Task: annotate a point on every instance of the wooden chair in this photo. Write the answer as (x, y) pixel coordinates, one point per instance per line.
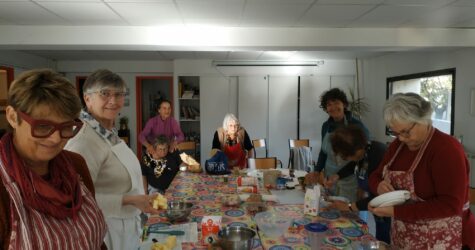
(188, 146)
(262, 163)
(259, 143)
(295, 143)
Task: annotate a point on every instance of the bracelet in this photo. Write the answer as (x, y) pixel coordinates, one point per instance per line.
(349, 206)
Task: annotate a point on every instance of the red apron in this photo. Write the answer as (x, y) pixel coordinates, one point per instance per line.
(236, 156)
(444, 233)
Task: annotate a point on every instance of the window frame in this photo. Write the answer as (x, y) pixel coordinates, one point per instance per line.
(449, 71)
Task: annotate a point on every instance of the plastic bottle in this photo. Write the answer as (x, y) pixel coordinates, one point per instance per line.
(316, 233)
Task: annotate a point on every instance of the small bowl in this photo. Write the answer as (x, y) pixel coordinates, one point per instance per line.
(370, 245)
(236, 238)
(231, 200)
(178, 210)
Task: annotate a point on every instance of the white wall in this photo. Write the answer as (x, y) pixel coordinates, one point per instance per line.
(376, 70)
(128, 70)
(21, 61)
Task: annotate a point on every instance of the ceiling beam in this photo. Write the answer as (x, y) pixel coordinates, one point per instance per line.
(228, 39)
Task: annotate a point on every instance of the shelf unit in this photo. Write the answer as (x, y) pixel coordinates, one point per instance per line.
(189, 109)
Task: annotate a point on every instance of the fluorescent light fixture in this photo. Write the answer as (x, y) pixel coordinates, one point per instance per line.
(230, 63)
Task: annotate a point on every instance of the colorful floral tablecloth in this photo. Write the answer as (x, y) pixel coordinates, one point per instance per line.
(206, 192)
(344, 228)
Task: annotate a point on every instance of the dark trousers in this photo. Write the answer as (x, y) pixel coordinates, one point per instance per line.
(383, 228)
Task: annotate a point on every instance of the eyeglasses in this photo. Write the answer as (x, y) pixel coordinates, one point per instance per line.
(162, 149)
(44, 128)
(108, 94)
(405, 133)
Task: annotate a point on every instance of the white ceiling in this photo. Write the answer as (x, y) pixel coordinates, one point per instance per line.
(244, 14)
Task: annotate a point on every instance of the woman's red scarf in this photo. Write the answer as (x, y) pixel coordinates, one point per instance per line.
(59, 195)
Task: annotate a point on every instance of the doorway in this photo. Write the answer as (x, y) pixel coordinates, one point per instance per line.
(6, 78)
(80, 80)
(150, 91)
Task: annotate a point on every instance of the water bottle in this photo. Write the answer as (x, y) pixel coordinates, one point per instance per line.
(316, 233)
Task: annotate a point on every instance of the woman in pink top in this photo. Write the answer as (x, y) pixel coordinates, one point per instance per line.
(162, 124)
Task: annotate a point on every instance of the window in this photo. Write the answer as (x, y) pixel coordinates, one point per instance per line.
(436, 86)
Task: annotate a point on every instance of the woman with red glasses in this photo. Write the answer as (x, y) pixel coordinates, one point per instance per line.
(433, 167)
(114, 167)
(46, 193)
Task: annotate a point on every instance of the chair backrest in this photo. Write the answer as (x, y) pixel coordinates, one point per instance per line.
(262, 163)
(259, 143)
(188, 146)
(295, 143)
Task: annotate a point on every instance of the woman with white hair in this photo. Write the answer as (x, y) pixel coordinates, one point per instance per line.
(234, 141)
(432, 166)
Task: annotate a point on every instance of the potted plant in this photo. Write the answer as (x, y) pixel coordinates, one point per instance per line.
(357, 105)
(124, 123)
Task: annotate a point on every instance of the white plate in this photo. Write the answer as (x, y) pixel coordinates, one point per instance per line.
(148, 245)
(297, 173)
(284, 172)
(255, 173)
(338, 198)
(390, 199)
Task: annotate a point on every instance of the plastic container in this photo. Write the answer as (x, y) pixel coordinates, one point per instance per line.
(246, 181)
(316, 232)
(272, 224)
(247, 189)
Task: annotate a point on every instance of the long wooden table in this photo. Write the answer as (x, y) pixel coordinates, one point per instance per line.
(206, 191)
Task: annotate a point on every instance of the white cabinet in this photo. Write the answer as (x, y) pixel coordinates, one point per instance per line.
(216, 96)
(283, 93)
(268, 109)
(253, 111)
(311, 115)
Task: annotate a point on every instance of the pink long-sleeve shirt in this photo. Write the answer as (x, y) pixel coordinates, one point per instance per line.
(156, 126)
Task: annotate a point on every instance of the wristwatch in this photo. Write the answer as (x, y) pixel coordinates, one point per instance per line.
(349, 206)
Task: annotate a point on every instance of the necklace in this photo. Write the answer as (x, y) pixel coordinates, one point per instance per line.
(157, 165)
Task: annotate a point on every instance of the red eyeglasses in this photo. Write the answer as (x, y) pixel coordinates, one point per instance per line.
(43, 128)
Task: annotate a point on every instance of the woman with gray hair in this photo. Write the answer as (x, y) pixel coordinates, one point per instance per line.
(234, 141)
(432, 166)
(115, 169)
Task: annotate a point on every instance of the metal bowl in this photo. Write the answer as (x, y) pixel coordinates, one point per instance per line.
(236, 238)
(178, 210)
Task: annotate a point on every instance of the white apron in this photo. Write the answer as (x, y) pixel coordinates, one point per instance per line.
(124, 233)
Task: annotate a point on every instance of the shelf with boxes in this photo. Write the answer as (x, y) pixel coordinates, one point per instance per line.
(189, 107)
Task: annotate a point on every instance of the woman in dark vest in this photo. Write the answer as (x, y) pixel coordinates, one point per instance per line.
(234, 141)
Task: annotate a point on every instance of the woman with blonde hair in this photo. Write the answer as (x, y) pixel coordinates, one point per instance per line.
(234, 141)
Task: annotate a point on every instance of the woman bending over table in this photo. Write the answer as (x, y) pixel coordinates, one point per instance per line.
(160, 167)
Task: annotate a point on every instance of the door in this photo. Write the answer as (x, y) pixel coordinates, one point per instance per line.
(6, 78)
(150, 91)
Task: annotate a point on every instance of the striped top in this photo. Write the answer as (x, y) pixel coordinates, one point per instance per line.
(32, 229)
